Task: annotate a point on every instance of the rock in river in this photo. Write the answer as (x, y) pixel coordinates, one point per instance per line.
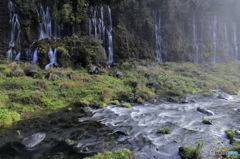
(33, 140)
(205, 111)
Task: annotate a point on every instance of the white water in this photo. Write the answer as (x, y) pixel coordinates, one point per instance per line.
(17, 58)
(158, 36)
(47, 27)
(9, 54)
(185, 122)
(235, 41)
(35, 56)
(15, 31)
(52, 55)
(100, 25)
(195, 38)
(214, 37)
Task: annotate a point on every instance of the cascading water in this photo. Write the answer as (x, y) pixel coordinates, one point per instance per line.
(100, 25)
(15, 43)
(214, 38)
(47, 27)
(17, 58)
(35, 56)
(52, 55)
(226, 40)
(158, 37)
(29, 52)
(235, 42)
(195, 38)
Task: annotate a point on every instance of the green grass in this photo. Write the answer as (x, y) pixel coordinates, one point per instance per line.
(27, 94)
(117, 154)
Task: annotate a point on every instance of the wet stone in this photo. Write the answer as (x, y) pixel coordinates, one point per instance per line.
(33, 140)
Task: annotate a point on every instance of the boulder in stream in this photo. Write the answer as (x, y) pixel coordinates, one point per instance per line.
(33, 140)
(205, 111)
(225, 96)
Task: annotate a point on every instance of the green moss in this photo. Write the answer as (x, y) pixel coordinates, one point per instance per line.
(115, 102)
(207, 94)
(163, 130)
(7, 117)
(190, 152)
(128, 105)
(117, 154)
(230, 133)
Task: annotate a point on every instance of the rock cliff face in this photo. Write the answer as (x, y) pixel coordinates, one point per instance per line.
(4, 27)
(161, 30)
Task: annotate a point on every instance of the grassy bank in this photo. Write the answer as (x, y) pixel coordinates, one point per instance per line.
(140, 81)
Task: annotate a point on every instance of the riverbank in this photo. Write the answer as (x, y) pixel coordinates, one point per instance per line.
(137, 81)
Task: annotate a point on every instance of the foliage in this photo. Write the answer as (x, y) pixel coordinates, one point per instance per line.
(189, 152)
(117, 154)
(230, 133)
(115, 102)
(7, 117)
(163, 130)
(128, 105)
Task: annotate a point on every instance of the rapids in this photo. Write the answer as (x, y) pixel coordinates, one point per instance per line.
(185, 123)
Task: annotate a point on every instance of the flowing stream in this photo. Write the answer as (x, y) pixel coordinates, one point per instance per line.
(185, 123)
(134, 128)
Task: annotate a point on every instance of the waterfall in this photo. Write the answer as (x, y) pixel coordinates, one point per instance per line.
(214, 37)
(47, 27)
(9, 54)
(52, 55)
(158, 36)
(226, 40)
(35, 56)
(17, 58)
(195, 38)
(15, 31)
(100, 25)
(235, 42)
(29, 52)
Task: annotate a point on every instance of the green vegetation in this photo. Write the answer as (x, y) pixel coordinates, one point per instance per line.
(117, 154)
(54, 89)
(128, 105)
(163, 130)
(230, 133)
(115, 102)
(190, 152)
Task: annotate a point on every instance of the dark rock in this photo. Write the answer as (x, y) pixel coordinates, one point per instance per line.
(93, 69)
(205, 111)
(225, 96)
(33, 140)
(118, 74)
(187, 100)
(207, 122)
(173, 99)
(69, 76)
(154, 84)
(31, 70)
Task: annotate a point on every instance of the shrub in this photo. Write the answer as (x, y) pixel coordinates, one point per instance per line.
(41, 84)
